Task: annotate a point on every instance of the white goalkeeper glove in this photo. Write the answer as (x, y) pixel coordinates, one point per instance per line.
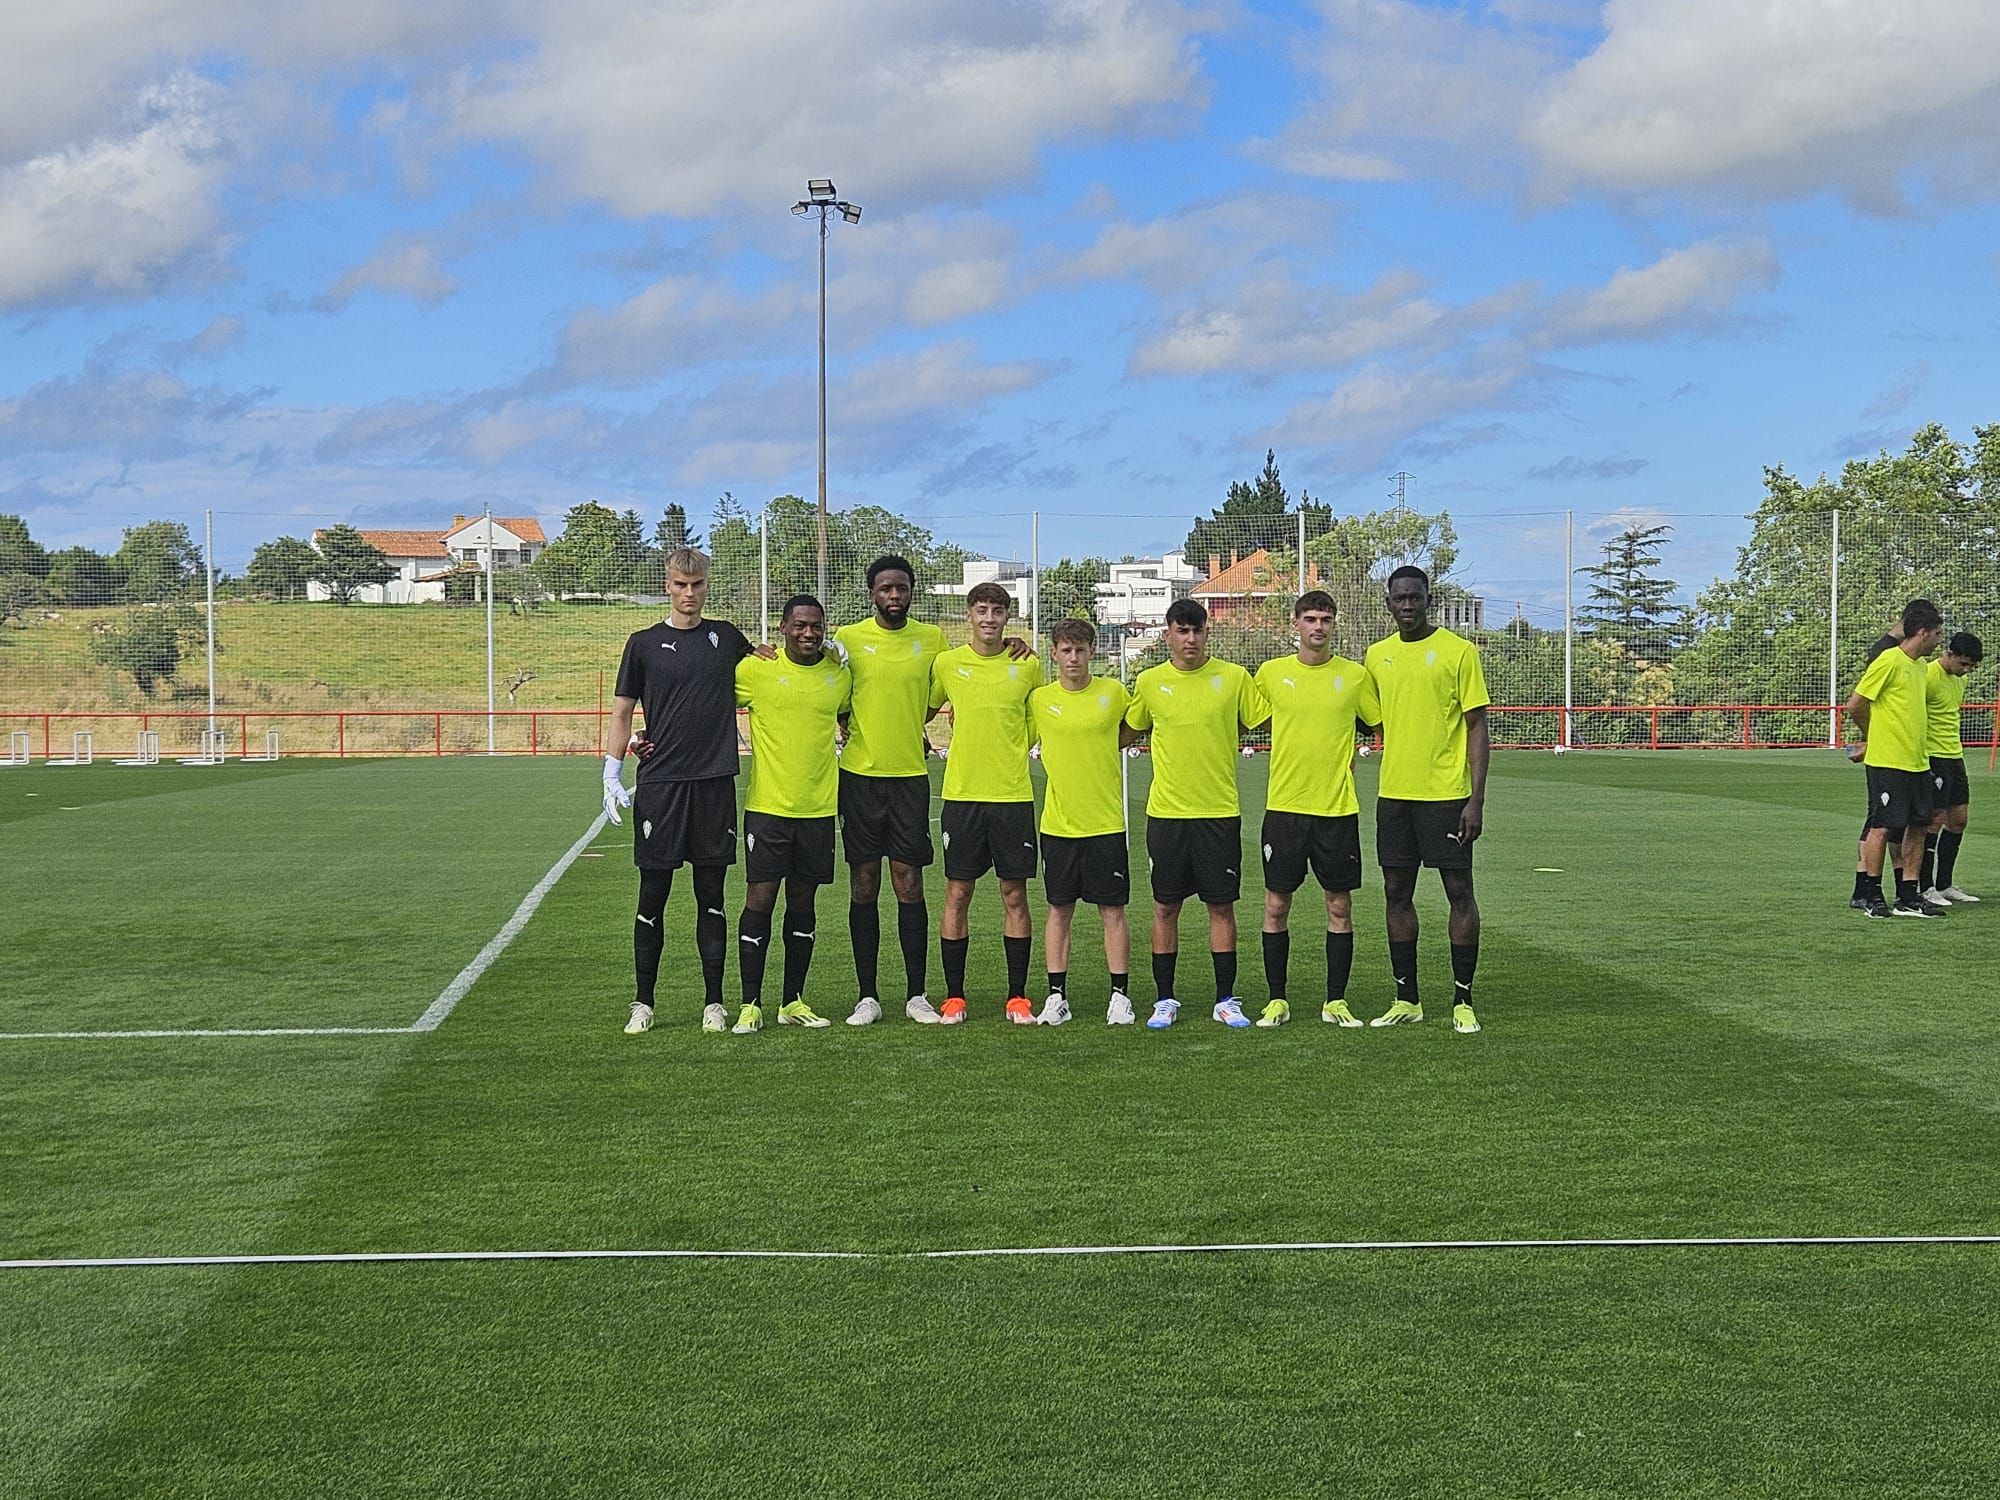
(615, 795)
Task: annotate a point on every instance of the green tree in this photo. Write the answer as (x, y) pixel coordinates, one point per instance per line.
(20, 593)
(673, 532)
(1354, 556)
(600, 551)
(160, 561)
(347, 563)
(1069, 590)
(20, 552)
(281, 568)
(1629, 602)
(80, 577)
(1256, 513)
(148, 643)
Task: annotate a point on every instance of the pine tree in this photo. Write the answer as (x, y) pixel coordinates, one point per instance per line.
(1629, 603)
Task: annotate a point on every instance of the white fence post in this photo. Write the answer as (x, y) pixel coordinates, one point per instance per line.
(1569, 627)
(491, 747)
(1035, 579)
(208, 561)
(764, 575)
(1833, 636)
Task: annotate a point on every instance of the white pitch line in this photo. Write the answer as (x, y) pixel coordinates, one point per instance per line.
(389, 1257)
(39, 1036)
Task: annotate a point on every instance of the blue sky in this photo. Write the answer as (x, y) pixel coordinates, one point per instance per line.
(397, 262)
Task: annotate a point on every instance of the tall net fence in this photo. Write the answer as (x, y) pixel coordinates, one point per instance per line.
(489, 635)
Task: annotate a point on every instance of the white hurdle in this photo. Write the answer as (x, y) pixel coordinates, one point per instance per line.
(148, 753)
(79, 750)
(214, 750)
(17, 749)
(270, 750)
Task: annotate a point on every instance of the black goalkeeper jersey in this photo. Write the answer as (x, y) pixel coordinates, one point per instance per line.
(685, 681)
(1886, 643)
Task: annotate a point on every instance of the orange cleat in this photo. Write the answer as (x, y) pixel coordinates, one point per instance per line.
(952, 1012)
(1020, 1012)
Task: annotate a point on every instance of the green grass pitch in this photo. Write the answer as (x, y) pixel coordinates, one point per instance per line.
(1688, 1034)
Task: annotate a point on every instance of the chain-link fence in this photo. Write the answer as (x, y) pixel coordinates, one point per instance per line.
(489, 635)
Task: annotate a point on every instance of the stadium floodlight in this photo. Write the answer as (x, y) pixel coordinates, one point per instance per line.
(823, 201)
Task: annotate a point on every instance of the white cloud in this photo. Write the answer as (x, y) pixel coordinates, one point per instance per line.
(125, 414)
(1271, 325)
(120, 215)
(402, 265)
(1380, 403)
(1699, 282)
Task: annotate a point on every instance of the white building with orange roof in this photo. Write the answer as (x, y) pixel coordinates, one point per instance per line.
(423, 559)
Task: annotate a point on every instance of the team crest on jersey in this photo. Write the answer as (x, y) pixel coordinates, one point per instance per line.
(1339, 683)
(1103, 700)
(1216, 682)
(715, 640)
(1430, 658)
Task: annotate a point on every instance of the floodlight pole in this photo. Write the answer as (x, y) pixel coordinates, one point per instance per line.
(823, 200)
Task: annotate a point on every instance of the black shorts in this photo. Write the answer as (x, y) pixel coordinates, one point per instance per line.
(1096, 869)
(886, 815)
(1332, 846)
(677, 823)
(1408, 834)
(1899, 799)
(1195, 857)
(781, 848)
(982, 836)
(1950, 786)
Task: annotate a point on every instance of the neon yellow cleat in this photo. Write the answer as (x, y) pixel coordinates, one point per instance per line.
(798, 1013)
(1402, 1013)
(1275, 1014)
(1463, 1020)
(1336, 1013)
(750, 1018)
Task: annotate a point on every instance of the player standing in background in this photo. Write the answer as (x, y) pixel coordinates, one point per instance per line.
(1079, 721)
(1888, 641)
(1311, 814)
(795, 699)
(1196, 709)
(1430, 805)
(1944, 695)
(1889, 708)
(988, 818)
(885, 790)
(683, 673)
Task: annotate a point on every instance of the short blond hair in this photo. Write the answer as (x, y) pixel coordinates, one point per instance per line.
(687, 562)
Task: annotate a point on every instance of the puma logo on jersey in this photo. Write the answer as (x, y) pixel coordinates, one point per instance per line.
(669, 646)
(1055, 709)
(1166, 691)
(1291, 684)
(869, 649)
(965, 672)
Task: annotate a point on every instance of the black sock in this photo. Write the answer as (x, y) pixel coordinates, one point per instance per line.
(1277, 963)
(1403, 965)
(1906, 889)
(1122, 983)
(954, 966)
(753, 946)
(1871, 887)
(1017, 965)
(1947, 858)
(1339, 963)
(1163, 973)
(801, 926)
(1058, 981)
(1927, 870)
(649, 937)
(913, 932)
(1860, 884)
(711, 930)
(864, 931)
(1464, 964)
(1225, 974)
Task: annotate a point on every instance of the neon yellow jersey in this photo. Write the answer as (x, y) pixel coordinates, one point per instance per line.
(1313, 710)
(793, 770)
(892, 685)
(1084, 794)
(1943, 696)
(1194, 718)
(1426, 689)
(1899, 724)
(989, 723)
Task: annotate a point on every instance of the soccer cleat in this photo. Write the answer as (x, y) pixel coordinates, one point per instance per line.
(1229, 1011)
(798, 1013)
(1937, 898)
(867, 1013)
(919, 1009)
(1959, 897)
(1912, 909)
(1402, 1013)
(1275, 1014)
(750, 1018)
(1876, 908)
(1119, 1012)
(1055, 1010)
(1858, 903)
(1463, 1021)
(1336, 1013)
(714, 1018)
(1020, 1012)
(953, 1013)
(642, 1019)
(1164, 1014)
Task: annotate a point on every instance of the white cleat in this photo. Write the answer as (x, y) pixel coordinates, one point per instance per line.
(1055, 1011)
(1164, 1014)
(867, 1013)
(642, 1019)
(1937, 898)
(919, 1009)
(1958, 897)
(1119, 1012)
(714, 1018)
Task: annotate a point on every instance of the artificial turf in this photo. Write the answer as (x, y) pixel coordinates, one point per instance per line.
(1687, 1034)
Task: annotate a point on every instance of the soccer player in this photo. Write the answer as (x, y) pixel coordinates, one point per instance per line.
(683, 673)
(1430, 805)
(795, 701)
(885, 790)
(1195, 708)
(1079, 721)
(1889, 707)
(1889, 640)
(988, 818)
(1944, 692)
(1311, 814)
